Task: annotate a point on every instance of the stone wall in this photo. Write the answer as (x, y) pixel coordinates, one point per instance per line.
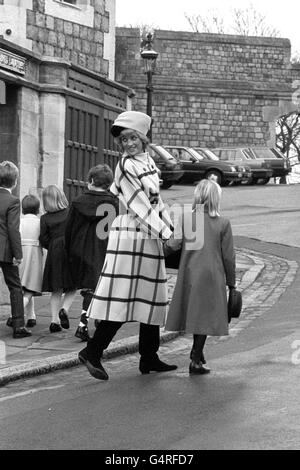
(56, 37)
(82, 34)
(295, 71)
(210, 90)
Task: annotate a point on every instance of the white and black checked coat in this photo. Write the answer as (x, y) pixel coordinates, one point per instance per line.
(133, 284)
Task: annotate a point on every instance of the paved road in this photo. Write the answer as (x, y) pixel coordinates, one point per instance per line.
(270, 213)
(249, 401)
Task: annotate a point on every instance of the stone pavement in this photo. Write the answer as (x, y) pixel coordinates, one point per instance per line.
(262, 278)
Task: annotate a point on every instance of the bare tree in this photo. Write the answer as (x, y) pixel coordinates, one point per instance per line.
(211, 23)
(245, 22)
(250, 22)
(288, 134)
(295, 59)
(144, 28)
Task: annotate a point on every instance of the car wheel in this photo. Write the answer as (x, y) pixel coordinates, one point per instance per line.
(215, 175)
(166, 185)
(264, 180)
(253, 180)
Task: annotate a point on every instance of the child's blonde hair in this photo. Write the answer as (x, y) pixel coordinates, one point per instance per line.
(54, 199)
(208, 193)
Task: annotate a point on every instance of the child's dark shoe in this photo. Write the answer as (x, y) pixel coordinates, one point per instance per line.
(64, 320)
(54, 328)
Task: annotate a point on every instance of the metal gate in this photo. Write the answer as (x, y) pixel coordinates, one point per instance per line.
(91, 107)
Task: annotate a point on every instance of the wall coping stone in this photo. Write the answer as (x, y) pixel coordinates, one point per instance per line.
(220, 38)
(207, 37)
(127, 32)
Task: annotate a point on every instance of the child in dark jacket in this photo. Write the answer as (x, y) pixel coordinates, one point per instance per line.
(57, 277)
(10, 246)
(88, 224)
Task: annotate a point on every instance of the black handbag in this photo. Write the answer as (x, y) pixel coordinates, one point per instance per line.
(172, 261)
(234, 304)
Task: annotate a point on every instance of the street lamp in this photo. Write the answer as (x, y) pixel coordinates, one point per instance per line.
(149, 56)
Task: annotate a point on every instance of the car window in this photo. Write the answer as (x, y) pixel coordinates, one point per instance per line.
(249, 153)
(195, 154)
(277, 153)
(184, 155)
(229, 154)
(164, 152)
(264, 153)
(154, 155)
(208, 153)
(173, 152)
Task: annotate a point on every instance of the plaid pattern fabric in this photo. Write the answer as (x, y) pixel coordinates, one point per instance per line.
(133, 284)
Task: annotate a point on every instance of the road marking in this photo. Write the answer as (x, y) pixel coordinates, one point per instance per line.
(29, 392)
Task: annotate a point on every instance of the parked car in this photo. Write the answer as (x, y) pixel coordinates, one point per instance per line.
(261, 170)
(278, 162)
(244, 168)
(198, 166)
(171, 170)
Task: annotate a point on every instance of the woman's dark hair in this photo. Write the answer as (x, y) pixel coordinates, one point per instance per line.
(101, 176)
(30, 204)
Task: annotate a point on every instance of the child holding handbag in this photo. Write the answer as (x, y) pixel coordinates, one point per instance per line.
(199, 303)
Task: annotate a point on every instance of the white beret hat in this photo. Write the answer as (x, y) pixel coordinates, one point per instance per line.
(131, 120)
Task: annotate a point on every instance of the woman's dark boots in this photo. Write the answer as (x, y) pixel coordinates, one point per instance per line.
(91, 355)
(196, 366)
(94, 367)
(154, 365)
(148, 346)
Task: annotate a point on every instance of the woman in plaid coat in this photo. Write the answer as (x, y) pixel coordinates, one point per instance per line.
(133, 284)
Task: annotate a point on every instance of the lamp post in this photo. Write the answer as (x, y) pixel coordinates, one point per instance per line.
(149, 56)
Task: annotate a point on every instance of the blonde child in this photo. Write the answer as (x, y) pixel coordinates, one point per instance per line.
(57, 278)
(199, 302)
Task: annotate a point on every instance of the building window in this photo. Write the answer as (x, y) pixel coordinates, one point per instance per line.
(76, 11)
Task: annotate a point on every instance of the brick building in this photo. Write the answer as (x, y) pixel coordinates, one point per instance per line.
(58, 96)
(209, 89)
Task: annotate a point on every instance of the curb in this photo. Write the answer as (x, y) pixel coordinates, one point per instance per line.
(64, 361)
(121, 347)
(254, 271)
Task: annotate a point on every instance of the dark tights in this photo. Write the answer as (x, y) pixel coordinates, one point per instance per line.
(197, 349)
(106, 330)
(87, 295)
